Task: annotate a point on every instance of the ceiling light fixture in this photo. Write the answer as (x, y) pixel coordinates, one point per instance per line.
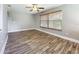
(35, 8)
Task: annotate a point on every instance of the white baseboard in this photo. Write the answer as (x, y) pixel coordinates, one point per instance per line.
(20, 30)
(3, 47)
(64, 37)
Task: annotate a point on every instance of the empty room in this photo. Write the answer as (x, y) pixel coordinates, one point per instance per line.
(39, 28)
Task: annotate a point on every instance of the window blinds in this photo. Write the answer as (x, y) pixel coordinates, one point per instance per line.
(52, 20)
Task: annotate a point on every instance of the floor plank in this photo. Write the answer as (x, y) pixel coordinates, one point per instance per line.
(37, 42)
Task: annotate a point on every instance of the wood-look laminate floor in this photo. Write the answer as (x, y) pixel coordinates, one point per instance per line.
(36, 42)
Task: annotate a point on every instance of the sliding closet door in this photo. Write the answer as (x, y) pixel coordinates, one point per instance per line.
(44, 21)
(55, 20)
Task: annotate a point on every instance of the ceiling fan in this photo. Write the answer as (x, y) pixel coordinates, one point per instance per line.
(35, 8)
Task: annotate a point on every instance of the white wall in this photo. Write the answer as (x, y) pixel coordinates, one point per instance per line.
(70, 21)
(17, 22)
(20, 21)
(4, 32)
(1, 16)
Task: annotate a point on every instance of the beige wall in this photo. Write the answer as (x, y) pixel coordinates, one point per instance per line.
(70, 21)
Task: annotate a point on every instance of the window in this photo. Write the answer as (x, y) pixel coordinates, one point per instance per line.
(52, 20)
(55, 20)
(44, 21)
